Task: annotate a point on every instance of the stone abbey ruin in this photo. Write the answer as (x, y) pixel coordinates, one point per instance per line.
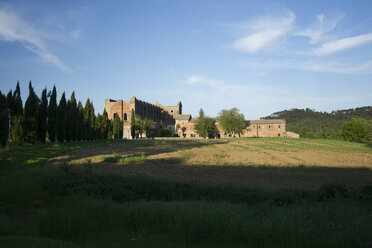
(171, 117)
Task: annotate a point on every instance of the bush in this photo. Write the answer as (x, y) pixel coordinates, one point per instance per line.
(355, 131)
(164, 132)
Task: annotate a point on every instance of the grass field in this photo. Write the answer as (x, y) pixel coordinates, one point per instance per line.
(187, 193)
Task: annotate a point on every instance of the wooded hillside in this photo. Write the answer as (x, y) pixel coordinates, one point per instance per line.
(297, 119)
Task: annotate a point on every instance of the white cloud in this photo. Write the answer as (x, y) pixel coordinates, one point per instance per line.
(342, 44)
(364, 68)
(324, 25)
(14, 29)
(265, 31)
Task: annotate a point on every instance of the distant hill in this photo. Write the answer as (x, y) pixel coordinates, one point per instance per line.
(316, 121)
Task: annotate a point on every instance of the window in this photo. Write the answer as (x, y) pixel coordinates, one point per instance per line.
(269, 126)
(125, 116)
(278, 126)
(259, 126)
(171, 111)
(278, 134)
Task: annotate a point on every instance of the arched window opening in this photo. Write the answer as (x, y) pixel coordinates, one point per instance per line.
(125, 116)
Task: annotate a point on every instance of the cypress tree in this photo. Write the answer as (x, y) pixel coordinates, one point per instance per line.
(17, 101)
(133, 125)
(30, 116)
(4, 120)
(80, 125)
(52, 115)
(42, 117)
(89, 120)
(117, 127)
(14, 102)
(105, 125)
(61, 118)
(68, 122)
(99, 126)
(74, 117)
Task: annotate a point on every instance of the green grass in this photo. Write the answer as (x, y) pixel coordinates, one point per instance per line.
(43, 206)
(125, 160)
(308, 144)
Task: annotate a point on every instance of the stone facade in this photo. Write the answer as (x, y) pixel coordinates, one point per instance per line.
(253, 129)
(183, 124)
(155, 112)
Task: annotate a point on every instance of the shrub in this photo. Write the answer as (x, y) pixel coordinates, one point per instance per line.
(164, 132)
(355, 131)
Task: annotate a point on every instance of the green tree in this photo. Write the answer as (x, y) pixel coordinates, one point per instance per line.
(105, 125)
(42, 117)
(355, 131)
(231, 121)
(52, 115)
(147, 125)
(30, 116)
(133, 125)
(61, 118)
(89, 120)
(307, 133)
(4, 120)
(14, 102)
(117, 127)
(204, 125)
(326, 133)
(80, 120)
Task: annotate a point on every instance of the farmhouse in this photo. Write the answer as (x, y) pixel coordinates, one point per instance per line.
(171, 117)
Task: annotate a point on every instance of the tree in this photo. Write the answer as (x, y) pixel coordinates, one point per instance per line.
(355, 131)
(307, 133)
(4, 120)
(143, 125)
(30, 116)
(52, 115)
(89, 120)
(80, 120)
(14, 102)
(147, 125)
(74, 116)
(42, 117)
(231, 121)
(118, 127)
(133, 125)
(204, 126)
(105, 125)
(71, 119)
(61, 119)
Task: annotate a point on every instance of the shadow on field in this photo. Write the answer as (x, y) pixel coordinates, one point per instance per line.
(137, 147)
(306, 177)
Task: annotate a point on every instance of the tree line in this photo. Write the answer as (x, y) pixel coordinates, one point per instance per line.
(335, 125)
(42, 119)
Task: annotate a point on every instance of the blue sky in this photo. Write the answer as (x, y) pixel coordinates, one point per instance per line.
(258, 56)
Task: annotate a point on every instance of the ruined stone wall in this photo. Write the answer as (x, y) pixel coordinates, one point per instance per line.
(186, 129)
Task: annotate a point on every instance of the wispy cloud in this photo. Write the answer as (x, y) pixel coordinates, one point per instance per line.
(363, 68)
(342, 44)
(320, 28)
(264, 32)
(14, 29)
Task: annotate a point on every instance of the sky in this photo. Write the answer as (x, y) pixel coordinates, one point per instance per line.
(258, 56)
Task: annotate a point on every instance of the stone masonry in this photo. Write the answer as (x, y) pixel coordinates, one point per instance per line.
(171, 117)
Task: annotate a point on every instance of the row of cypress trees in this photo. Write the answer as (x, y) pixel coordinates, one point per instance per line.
(42, 118)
